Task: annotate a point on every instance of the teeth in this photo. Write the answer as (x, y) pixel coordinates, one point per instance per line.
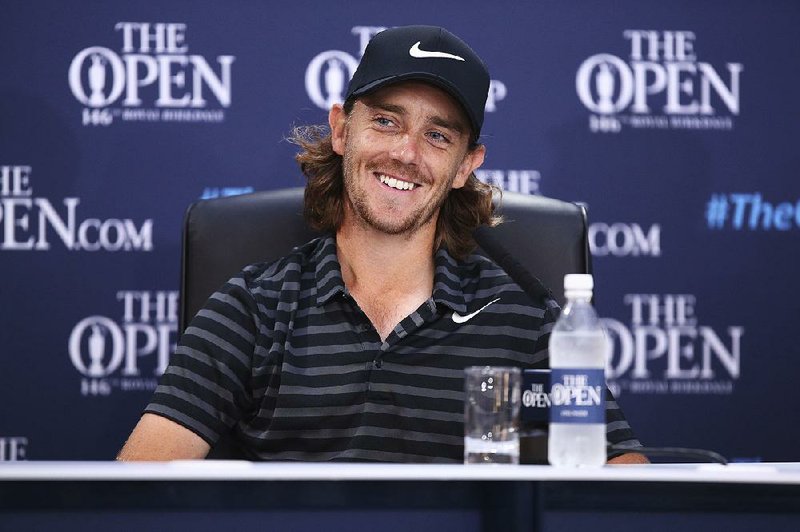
(396, 183)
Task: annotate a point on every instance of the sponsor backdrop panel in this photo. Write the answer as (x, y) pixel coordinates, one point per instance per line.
(676, 122)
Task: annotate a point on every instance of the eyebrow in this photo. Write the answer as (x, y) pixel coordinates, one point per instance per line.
(434, 119)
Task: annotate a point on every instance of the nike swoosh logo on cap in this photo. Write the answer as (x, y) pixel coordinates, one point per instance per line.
(415, 51)
(458, 318)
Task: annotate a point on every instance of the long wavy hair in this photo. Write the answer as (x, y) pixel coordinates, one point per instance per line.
(464, 209)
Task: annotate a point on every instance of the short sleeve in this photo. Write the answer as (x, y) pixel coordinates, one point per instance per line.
(206, 386)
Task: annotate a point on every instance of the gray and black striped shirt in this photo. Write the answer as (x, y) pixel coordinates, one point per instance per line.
(282, 357)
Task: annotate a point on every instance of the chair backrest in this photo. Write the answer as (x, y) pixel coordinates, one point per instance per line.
(546, 236)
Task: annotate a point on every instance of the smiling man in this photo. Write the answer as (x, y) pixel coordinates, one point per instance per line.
(353, 346)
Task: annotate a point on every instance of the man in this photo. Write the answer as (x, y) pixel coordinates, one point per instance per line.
(353, 346)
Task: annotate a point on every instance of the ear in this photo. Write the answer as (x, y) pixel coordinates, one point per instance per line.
(337, 120)
(472, 160)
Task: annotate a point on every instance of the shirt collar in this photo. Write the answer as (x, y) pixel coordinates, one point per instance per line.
(328, 271)
(447, 289)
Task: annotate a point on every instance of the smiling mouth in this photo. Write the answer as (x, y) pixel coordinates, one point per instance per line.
(397, 184)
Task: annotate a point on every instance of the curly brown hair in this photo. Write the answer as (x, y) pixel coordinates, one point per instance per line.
(463, 211)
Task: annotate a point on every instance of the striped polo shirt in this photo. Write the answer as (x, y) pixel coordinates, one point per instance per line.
(283, 359)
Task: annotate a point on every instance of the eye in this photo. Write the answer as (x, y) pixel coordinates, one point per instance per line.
(439, 137)
(383, 121)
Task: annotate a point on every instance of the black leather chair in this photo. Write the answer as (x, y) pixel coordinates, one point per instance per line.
(548, 237)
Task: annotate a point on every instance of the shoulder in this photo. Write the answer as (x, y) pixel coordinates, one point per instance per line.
(288, 269)
(260, 292)
(259, 287)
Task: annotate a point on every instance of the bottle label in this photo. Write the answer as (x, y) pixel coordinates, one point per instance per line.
(577, 395)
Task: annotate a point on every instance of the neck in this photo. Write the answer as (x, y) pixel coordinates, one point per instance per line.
(389, 276)
(375, 262)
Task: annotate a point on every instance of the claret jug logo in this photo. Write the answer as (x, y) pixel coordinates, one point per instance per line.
(662, 85)
(329, 72)
(664, 349)
(151, 78)
(130, 354)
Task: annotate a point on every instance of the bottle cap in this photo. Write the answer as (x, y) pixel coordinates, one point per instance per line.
(578, 282)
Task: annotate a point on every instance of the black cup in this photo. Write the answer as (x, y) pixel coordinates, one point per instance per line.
(534, 416)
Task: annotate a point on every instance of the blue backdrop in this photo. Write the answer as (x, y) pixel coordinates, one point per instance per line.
(676, 122)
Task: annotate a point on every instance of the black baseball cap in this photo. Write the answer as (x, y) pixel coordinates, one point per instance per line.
(427, 53)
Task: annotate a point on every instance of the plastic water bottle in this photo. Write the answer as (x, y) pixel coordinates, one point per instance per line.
(578, 347)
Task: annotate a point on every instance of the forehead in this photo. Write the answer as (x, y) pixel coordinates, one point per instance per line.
(420, 97)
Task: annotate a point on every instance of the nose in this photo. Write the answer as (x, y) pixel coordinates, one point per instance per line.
(405, 149)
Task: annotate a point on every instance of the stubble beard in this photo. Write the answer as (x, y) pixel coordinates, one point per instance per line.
(365, 213)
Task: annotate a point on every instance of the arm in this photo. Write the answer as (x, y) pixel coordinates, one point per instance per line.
(209, 367)
(158, 438)
(629, 458)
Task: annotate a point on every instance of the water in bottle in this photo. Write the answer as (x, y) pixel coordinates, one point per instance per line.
(578, 348)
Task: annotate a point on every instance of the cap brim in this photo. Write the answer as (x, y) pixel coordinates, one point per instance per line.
(424, 76)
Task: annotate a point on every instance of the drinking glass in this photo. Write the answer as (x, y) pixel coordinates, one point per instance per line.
(491, 415)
